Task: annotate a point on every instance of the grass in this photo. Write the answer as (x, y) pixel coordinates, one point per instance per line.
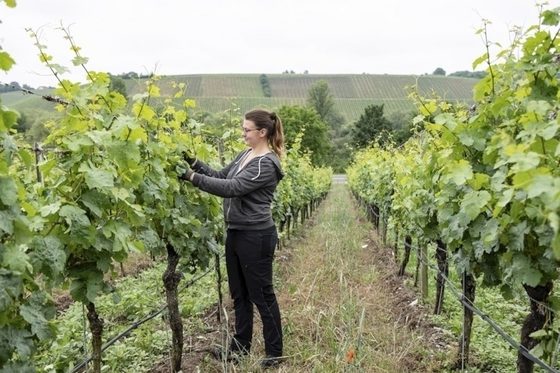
(338, 306)
(338, 313)
(137, 296)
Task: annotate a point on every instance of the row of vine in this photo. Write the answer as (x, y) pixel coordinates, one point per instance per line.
(483, 183)
(107, 186)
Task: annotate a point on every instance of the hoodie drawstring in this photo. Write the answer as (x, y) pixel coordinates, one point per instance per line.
(259, 173)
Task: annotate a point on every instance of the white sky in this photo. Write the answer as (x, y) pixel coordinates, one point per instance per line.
(257, 36)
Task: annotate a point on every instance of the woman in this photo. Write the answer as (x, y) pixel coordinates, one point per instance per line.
(247, 185)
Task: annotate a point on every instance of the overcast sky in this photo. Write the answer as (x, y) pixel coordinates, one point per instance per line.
(257, 36)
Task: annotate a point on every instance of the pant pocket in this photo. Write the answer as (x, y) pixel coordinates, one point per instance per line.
(268, 245)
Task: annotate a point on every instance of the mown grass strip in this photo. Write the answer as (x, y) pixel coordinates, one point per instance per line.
(338, 311)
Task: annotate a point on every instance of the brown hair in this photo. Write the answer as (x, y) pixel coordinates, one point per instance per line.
(274, 131)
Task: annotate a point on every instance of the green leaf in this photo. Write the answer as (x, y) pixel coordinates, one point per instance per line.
(10, 3)
(49, 255)
(74, 216)
(26, 157)
(489, 233)
(58, 68)
(6, 222)
(540, 184)
(479, 180)
(539, 334)
(524, 161)
(138, 134)
(446, 119)
(93, 200)
(97, 178)
(524, 271)
(78, 60)
(116, 297)
(474, 202)
(50, 209)
(15, 339)
(9, 191)
(506, 291)
(120, 193)
(17, 259)
(7, 119)
(505, 198)
(535, 182)
(6, 61)
(94, 287)
(466, 138)
(479, 60)
(35, 317)
(78, 290)
(47, 166)
(460, 172)
(539, 107)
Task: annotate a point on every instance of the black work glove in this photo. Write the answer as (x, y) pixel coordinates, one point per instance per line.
(189, 158)
(186, 175)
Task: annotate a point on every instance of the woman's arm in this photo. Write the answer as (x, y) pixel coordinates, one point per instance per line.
(255, 175)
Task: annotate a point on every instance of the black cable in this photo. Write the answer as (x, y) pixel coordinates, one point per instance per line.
(467, 303)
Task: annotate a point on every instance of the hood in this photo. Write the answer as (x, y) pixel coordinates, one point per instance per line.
(274, 158)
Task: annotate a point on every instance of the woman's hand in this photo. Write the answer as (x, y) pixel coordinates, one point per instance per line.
(188, 174)
(187, 156)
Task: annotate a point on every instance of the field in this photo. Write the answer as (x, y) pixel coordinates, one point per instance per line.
(352, 93)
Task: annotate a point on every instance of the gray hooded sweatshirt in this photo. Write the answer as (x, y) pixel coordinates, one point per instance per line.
(247, 193)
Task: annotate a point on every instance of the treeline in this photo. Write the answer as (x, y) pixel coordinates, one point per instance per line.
(13, 86)
(469, 74)
(16, 86)
(461, 73)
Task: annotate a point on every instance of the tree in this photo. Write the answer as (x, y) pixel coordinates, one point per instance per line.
(371, 125)
(22, 124)
(439, 71)
(321, 99)
(341, 152)
(265, 85)
(401, 123)
(117, 85)
(297, 119)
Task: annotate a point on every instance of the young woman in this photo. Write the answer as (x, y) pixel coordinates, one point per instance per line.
(247, 185)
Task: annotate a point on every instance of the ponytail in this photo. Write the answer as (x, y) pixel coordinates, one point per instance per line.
(276, 138)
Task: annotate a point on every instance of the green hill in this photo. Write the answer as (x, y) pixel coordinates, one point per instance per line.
(352, 93)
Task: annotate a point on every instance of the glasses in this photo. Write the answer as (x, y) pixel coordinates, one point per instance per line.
(246, 130)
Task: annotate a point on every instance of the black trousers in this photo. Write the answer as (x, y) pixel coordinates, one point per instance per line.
(249, 256)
